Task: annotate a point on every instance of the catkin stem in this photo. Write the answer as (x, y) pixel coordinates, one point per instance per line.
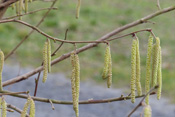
(148, 68)
(133, 70)
(1, 68)
(78, 9)
(138, 84)
(159, 75)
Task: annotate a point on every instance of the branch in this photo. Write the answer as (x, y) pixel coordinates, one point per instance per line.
(84, 48)
(16, 109)
(46, 100)
(158, 4)
(54, 8)
(140, 104)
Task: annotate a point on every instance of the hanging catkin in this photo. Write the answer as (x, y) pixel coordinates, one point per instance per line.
(106, 63)
(49, 55)
(45, 62)
(1, 67)
(32, 108)
(26, 106)
(138, 84)
(148, 68)
(75, 81)
(26, 6)
(159, 75)
(78, 9)
(155, 61)
(133, 69)
(147, 111)
(109, 80)
(17, 8)
(4, 108)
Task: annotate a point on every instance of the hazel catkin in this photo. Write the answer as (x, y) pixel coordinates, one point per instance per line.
(32, 108)
(26, 106)
(75, 81)
(147, 111)
(133, 69)
(78, 9)
(106, 62)
(148, 67)
(49, 55)
(138, 84)
(1, 68)
(159, 75)
(155, 61)
(4, 108)
(109, 80)
(45, 62)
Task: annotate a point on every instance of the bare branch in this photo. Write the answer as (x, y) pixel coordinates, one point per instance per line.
(46, 100)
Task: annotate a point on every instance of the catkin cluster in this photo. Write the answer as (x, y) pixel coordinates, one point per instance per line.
(46, 59)
(1, 68)
(154, 51)
(21, 5)
(75, 81)
(135, 70)
(107, 70)
(30, 103)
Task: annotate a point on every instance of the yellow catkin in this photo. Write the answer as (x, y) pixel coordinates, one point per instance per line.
(77, 82)
(49, 55)
(155, 61)
(45, 62)
(159, 75)
(147, 111)
(32, 108)
(4, 108)
(138, 84)
(26, 106)
(109, 80)
(133, 70)
(17, 7)
(73, 82)
(1, 67)
(26, 6)
(106, 63)
(148, 67)
(20, 8)
(78, 9)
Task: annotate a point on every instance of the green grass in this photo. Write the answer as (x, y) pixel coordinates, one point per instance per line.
(97, 17)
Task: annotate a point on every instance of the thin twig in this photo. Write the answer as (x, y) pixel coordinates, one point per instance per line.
(16, 109)
(54, 8)
(84, 48)
(27, 36)
(53, 108)
(53, 54)
(158, 4)
(46, 100)
(13, 93)
(140, 103)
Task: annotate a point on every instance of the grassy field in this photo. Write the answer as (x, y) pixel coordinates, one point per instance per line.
(96, 19)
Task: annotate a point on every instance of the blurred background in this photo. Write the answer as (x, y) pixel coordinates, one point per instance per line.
(96, 19)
